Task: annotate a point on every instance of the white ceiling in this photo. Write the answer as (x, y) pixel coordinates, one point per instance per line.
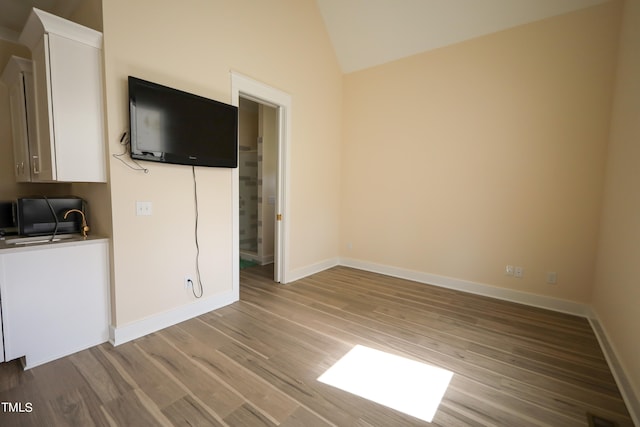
(366, 33)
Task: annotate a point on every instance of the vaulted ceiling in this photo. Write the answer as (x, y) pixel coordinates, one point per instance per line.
(366, 33)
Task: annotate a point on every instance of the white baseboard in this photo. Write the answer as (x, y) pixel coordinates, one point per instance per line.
(631, 398)
(550, 303)
(300, 273)
(122, 334)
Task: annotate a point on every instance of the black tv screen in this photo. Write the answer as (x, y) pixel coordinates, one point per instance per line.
(171, 126)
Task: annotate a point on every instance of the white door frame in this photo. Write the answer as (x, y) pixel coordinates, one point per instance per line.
(245, 87)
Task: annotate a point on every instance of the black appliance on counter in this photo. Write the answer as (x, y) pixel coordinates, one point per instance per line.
(39, 216)
(7, 220)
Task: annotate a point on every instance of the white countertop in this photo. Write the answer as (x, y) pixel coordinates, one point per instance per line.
(20, 244)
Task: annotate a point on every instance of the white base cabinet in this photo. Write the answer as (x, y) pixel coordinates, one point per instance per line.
(55, 300)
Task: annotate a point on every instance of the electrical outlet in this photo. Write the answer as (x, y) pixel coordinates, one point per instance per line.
(552, 277)
(508, 270)
(188, 282)
(518, 272)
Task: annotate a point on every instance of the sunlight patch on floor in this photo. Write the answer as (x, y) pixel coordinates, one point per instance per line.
(402, 384)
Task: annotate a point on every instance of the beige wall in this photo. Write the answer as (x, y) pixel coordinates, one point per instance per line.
(193, 45)
(490, 152)
(89, 14)
(617, 287)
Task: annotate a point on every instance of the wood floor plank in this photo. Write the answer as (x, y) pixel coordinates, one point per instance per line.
(512, 409)
(256, 362)
(135, 408)
(148, 379)
(12, 375)
(303, 417)
(454, 417)
(188, 412)
(562, 369)
(246, 415)
(100, 374)
(76, 408)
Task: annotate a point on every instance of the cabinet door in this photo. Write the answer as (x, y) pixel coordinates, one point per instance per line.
(42, 153)
(55, 301)
(19, 130)
(30, 107)
(76, 96)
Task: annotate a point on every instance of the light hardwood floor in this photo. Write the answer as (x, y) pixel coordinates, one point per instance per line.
(255, 362)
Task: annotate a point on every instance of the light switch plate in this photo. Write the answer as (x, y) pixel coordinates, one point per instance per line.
(143, 208)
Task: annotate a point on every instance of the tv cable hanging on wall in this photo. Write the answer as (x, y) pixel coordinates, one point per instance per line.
(126, 142)
(195, 198)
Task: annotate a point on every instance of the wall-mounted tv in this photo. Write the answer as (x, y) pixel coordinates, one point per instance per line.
(171, 126)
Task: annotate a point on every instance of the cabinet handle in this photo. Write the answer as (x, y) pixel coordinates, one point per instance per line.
(35, 165)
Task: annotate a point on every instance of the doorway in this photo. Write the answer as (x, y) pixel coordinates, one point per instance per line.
(257, 169)
(276, 111)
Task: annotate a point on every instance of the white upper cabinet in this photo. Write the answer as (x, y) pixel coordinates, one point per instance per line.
(67, 70)
(18, 77)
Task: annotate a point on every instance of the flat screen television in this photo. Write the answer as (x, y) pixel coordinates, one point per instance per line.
(171, 126)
